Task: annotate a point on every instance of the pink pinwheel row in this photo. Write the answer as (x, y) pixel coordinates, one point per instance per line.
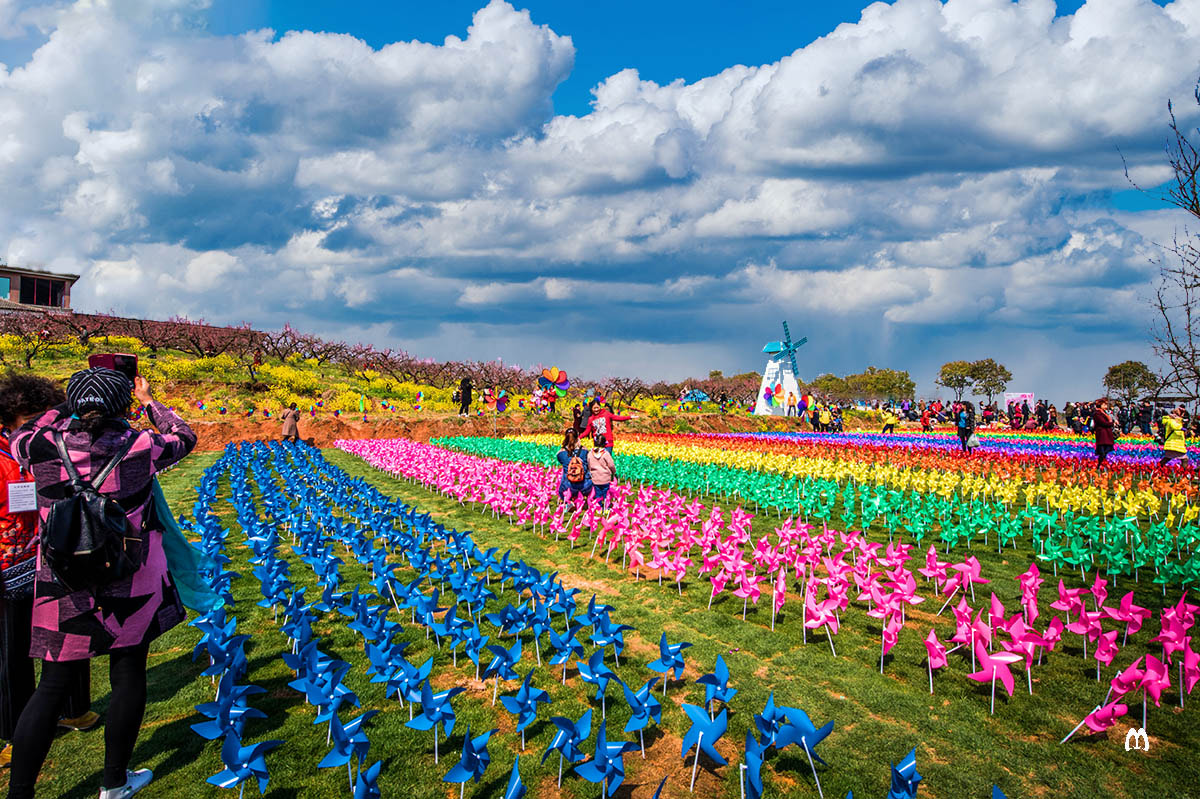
(656, 530)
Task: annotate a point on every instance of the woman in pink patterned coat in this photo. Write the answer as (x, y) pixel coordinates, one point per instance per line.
(119, 619)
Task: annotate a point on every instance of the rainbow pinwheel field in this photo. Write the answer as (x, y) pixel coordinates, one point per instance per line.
(762, 616)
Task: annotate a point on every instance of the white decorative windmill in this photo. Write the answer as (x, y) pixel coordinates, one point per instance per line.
(779, 376)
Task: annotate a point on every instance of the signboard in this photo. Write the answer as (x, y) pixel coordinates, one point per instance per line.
(1018, 397)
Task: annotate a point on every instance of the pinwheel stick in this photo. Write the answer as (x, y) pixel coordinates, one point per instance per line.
(742, 779)
(435, 745)
(1077, 726)
(695, 763)
(642, 739)
(829, 635)
(560, 762)
(929, 666)
(992, 712)
(811, 765)
(947, 602)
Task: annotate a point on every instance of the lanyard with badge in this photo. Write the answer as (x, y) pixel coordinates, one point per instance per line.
(22, 494)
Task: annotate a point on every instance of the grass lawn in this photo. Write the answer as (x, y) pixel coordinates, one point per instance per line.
(961, 750)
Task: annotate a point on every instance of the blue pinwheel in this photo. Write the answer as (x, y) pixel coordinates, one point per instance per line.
(230, 711)
(565, 646)
(770, 721)
(408, 680)
(716, 685)
(755, 753)
(516, 788)
(608, 766)
(800, 730)
(605, 634)
(643, 706)
(703, 733)
(905, 778)
(349, 741)
(524, 704)
(242, 763)
(502, 664)
(435, 709)
(997, 793)
(597, 674)
(366, 785)
(474, 761)
(670, 658)
(568, 738)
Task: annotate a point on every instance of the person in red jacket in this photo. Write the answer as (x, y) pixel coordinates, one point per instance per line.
(600, 423)
(1102, 423)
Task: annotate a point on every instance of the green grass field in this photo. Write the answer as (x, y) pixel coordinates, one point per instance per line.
(961, 751)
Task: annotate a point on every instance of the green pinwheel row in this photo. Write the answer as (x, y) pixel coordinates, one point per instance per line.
(1073, 541)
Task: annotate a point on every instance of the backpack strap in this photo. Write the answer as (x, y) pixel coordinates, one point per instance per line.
(99, 479)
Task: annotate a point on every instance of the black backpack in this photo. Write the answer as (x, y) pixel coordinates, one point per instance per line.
(83, 538)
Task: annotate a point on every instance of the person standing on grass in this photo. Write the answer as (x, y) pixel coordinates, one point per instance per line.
(600, 423)
(601, 469)
(964, 423)
(23, 397)
(573, 459)
(1174, 441)
(1103, 423)
(120, 618)
(464, 396)
(291, 423)
(889, 421)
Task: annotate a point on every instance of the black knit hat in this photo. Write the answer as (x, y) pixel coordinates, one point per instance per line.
(99, 389)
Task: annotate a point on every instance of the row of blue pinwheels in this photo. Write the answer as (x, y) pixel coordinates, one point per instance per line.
(277, 490)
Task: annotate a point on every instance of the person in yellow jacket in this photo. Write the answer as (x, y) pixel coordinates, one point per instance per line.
(826, 417)
(889, 420)
(1174, 443)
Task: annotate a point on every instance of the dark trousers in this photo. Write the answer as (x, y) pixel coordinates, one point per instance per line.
(16, 668)
(35, 730)
(1102, 451)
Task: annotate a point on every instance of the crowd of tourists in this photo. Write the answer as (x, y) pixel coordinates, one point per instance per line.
(84, 537)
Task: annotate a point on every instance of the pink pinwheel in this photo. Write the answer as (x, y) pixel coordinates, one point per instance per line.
(891, 634)
(718, 581)
(821, 614)
(962, 623)
(1106, 650)
(1087, 627)
(993, 666)
(1099, 590)
(967, 573)
(1155, 679)
(1131, 614)
(1104, 717)
(779, 595)
(1190, 671)
(748, 590)
(937, 655)
(1172, 636)
(1127, 679)
(934, 569)
(1068, 599)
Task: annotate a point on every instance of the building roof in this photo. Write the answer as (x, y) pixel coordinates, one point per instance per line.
(18, 270)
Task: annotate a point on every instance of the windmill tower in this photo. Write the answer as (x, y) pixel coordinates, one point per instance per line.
(779, 376)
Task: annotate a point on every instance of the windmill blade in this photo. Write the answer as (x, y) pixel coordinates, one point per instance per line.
(787, 335)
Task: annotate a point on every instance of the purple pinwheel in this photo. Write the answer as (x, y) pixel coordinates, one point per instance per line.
(703, 733)
(524, 705)
(608, 766)
(435, 709)
(568, 738)
(670, 658)
(242, 763)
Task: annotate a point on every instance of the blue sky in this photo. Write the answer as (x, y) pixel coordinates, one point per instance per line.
(616, 187)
